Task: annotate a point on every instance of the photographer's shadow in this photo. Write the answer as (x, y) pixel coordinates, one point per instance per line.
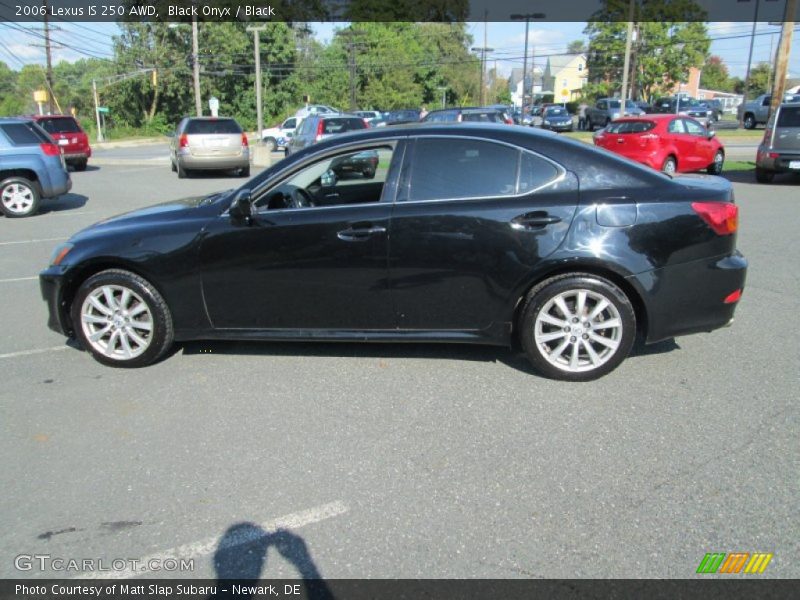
(241, 558)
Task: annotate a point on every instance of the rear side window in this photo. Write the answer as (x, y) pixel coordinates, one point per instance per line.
(24, 134)
(450, 168)
(342, 125)
(630, 126)
(60, 125)
(212, 126)
(534, 172)
(789, 116)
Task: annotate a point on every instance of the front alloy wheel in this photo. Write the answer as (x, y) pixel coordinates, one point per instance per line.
(122, 319)
(577, 327)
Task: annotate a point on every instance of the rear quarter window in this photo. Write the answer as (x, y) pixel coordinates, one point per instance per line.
(210, 127)
(789, 116)
(24, 134)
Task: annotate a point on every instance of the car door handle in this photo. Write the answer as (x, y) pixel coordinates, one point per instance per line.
(360, 234)
(534, 220)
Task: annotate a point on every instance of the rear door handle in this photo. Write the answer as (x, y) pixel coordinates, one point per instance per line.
(534, 220)
(360, 233)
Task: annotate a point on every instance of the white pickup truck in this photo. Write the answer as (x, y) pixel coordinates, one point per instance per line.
(277, 137)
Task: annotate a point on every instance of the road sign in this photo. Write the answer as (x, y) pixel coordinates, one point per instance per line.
(40, 96)
(565, 93)
(213, 104)
(102, 109)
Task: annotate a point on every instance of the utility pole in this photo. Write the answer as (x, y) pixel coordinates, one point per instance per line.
(749, 60)
(97, 111)
(627, 63)
(49, 57)
(782, 58)
(257, 46)
(483, 50)
(351, 44)
(196, 68)
(527, 18)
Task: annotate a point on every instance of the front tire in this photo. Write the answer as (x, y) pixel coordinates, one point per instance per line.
(577, 327)
(19, 197)
(121, 319)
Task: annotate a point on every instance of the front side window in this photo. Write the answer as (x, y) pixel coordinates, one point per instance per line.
(354, 177)
(444, 169)
(289, 123)
(676, 126)
(693, 128)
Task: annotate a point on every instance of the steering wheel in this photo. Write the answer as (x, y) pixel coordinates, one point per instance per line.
(300, 198)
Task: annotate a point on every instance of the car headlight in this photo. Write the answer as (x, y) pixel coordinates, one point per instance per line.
(60, 253)
(546, 122)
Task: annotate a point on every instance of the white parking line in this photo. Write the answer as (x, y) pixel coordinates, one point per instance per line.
(37, 351)
(32, 241)
(12, 280)
(210, 545)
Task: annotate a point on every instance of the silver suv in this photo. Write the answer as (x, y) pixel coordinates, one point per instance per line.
(779, 151)
(209, 143)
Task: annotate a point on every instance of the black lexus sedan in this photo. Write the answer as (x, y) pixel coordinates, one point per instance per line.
(475, 233)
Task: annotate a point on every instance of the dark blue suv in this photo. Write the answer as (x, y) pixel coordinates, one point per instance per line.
(31, 167)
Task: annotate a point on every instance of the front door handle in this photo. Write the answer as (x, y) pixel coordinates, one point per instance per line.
(360, 233)
(534, 220)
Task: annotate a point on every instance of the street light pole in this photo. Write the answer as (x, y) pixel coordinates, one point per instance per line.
(627, 63)
(483, 50)
(749, 60)
(257, 45)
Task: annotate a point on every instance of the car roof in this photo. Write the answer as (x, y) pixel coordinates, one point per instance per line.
(41, 117)
(651, 117)
(209, 118)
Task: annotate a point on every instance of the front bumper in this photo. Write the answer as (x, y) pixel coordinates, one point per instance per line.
(690, 297)
(51, 284)
(558, 126)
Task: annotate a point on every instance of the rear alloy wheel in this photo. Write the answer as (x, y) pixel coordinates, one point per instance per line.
(245, 172)
(182, 173)
(670, 167)
(764, 176)
(715, 168)
(577, 327)
(270, 144)
(121, 319)
(749, 122)
(19, 197)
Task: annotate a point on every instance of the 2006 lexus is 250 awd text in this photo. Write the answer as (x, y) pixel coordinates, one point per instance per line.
(478, 233)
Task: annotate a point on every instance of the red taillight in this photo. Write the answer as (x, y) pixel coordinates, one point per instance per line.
(733, 297)
(773, 155)
(244, 139)
(50, 149)
(320, 130)
(366, 124)
(722, 217)
(509, 121)
(183, 141)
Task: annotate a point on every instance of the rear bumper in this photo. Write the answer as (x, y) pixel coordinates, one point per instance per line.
(51, 283)
(780, 164)
(690, 297)
(241, 161)
(77, 155)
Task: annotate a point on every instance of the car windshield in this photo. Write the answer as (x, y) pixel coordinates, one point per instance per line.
(615, 104)
(212, 126)
(556, 111)
(59, 125)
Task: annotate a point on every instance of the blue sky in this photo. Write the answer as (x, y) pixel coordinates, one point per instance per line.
(94, 39)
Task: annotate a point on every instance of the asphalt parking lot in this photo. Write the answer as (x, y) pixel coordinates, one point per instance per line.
(387, 461)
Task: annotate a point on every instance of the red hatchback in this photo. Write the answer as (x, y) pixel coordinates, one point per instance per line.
(69, 136)
(670, 143)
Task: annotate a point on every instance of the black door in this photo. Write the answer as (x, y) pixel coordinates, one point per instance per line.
(304, 267)
(472, 223)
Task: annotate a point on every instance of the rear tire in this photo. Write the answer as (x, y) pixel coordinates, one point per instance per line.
(670, 165)
(80, 165)
(244, 172)
(270, 144)
(715, 168)
(121, 319)
(600, 319)
(172, 166)
(764, 176)
(19, 197)
(749, 122)
(182, 173)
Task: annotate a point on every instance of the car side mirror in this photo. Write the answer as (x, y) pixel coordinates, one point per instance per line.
(288, 134)
(241, 208)
(710, 133)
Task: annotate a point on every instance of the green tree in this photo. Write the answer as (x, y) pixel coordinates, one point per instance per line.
(666, 46)
(760, 77)
(715, 75)
(576, 47)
